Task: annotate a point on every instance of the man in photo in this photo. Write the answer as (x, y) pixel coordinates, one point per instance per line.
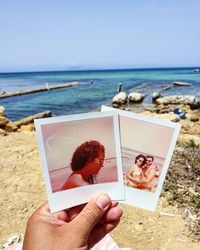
(150, 175)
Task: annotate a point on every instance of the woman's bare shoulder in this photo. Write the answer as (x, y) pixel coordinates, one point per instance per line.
(78, 179)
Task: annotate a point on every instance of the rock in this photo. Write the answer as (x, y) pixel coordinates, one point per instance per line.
(135, 97)
(160, 109)
(182, 84)
(168, 116)
(186, 126)
(2, 109)
(119, 99)
(3, 121)
(165, 109)
(179, 99)
(29, 127)
(10, 127)
(155, 96)
(30, 119)
(3, 132)
(166, 87)
(150, 109)
(196, 105)
(194, 118)
(2, 93)
(189, 140)
(189, 127)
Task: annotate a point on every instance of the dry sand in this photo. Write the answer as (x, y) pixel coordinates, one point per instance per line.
(23, 190)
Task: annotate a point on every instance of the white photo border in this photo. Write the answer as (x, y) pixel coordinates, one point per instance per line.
(141, 198)
(76, 196)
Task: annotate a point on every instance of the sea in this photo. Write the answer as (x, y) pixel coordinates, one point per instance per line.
(97, 87)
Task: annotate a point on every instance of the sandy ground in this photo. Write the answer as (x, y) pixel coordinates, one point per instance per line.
(22, 191)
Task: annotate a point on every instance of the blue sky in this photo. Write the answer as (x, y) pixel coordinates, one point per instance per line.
(90, 34)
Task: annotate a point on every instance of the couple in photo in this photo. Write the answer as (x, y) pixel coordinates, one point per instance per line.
(144, 174)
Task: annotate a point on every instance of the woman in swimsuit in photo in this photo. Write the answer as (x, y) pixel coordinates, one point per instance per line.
(86, 163)
(135, 174)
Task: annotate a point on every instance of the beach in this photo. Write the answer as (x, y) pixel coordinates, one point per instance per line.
(23, 190)
(174, 224)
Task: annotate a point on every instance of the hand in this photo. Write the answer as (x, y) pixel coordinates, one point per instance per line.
(80, 227)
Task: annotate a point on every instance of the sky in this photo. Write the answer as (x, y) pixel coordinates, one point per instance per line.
(101, 34)
(155, 139)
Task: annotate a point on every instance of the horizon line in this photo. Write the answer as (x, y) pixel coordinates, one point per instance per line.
(100, 69)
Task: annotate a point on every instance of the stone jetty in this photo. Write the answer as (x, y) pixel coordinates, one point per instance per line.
(30, 119)
(46, 88)
(182, 84)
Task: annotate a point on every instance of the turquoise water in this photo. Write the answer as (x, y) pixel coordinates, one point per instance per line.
(87, 96)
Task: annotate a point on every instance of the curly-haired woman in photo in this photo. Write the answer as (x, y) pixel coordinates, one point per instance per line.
(86, 162)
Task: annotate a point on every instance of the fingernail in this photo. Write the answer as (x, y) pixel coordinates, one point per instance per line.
(103, 201)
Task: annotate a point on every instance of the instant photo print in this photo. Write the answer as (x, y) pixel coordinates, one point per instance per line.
(147, 145)
(80, 156)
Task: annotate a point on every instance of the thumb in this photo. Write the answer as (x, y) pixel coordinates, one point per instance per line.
(91, 214)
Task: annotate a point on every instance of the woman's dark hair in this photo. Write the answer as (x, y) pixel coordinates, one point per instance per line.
(86, 153)
(140, 156)
(150, 156)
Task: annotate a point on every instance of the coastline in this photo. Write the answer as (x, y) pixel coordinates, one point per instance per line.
(95, 88)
